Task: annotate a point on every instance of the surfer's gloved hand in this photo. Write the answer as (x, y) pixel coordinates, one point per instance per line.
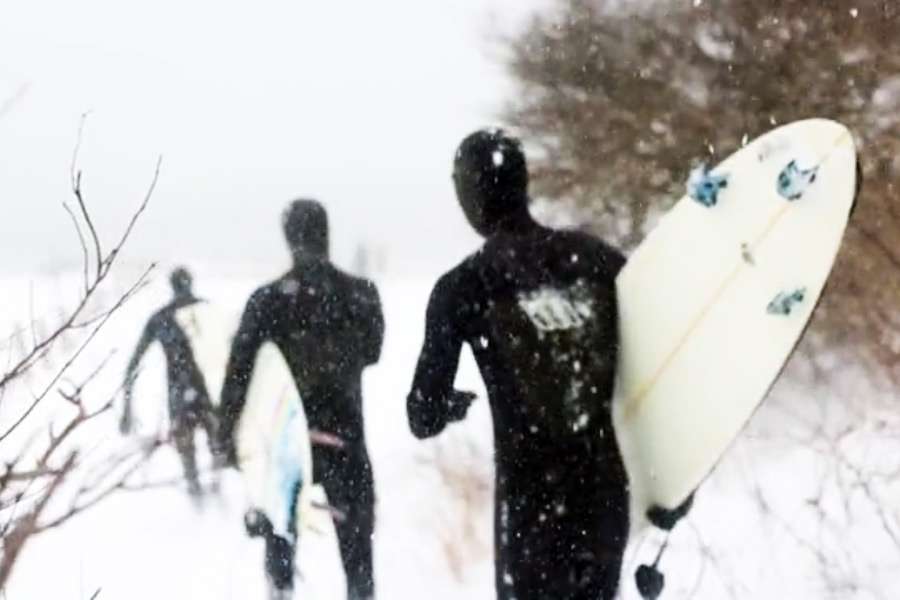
(666, 518)
(458, 404)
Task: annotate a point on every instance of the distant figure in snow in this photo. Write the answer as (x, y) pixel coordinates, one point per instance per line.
(190, 405)
(538, 308)
(329, 327)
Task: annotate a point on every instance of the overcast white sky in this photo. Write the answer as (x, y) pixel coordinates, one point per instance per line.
(358, 103)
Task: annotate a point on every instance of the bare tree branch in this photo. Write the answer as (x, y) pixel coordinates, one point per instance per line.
(138, 213)
(82, 242)
(95, 238)
(29, 487)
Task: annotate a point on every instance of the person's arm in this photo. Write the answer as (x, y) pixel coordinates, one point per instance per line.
(432, 402)
(372, 323)
(615, 260)
(148, 335)
(247, 341)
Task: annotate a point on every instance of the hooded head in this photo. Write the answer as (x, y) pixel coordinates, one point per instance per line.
(181, 282)
(491, 179)
(305, 225)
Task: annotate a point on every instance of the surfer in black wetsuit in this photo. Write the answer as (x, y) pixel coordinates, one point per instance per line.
(189, 401)
(538, 308)
(329, 327)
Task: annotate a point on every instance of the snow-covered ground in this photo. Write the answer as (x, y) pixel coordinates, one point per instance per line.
(786, 515)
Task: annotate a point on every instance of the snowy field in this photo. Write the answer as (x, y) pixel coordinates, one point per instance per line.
(804, 506)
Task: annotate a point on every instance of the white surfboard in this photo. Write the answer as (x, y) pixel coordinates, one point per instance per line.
(714, 300)
(272, 436)
(209, 331)
(273, 443)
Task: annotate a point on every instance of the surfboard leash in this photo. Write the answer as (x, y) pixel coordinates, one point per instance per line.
(649, 579)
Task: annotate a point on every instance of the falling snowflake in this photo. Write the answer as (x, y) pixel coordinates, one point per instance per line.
(581, 423)
(854, 12)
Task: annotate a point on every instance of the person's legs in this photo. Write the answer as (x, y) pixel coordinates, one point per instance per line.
(183, 422)
(209, 420)
(183, 437)
(562, 534)
(346, 475)
(548, 557)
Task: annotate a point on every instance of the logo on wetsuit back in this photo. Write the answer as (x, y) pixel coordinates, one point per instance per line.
(551, 309)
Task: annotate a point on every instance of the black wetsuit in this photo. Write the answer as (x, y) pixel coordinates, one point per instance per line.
(189, 400)
(329, 326)
(538, 308)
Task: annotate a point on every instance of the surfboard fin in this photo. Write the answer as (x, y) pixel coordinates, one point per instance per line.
(704, 187)
(784, 302)
(793, 181)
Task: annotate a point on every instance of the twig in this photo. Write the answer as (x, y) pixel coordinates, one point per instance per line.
(15, 539)
(27, 475)
(140, 210)
(84, 249)
(75, 182)
(95, 238)
(138, 286)
(76, 508)
(67, 325)
(40, 397)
